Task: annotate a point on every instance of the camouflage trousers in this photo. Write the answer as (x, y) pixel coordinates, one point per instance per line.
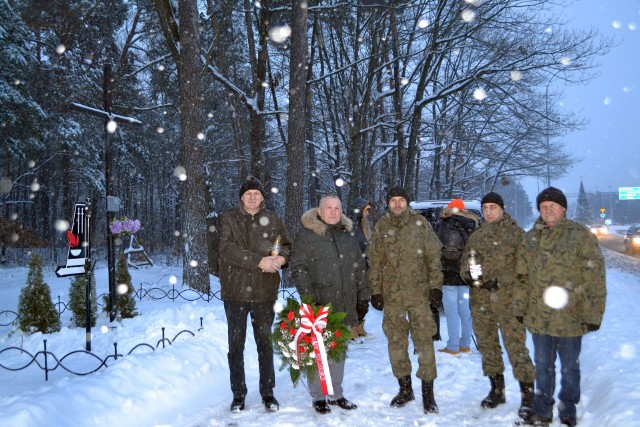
(397, 323)
(486, 324)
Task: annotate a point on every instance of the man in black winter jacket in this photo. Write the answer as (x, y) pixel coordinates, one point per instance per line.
(249, 280)
(327, 265)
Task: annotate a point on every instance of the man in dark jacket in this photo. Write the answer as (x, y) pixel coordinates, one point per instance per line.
(253, 247)
(563, 298)
(493, 305)
(455, 226)
(404, 274)
(327, 265)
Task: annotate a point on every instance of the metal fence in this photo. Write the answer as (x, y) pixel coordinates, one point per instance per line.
(47, 361)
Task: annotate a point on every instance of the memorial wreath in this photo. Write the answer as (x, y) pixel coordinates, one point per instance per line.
(307, 336)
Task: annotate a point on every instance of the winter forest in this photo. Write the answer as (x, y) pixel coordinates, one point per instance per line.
(446, 98)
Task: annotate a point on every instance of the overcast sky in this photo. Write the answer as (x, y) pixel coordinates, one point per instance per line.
(610, 143)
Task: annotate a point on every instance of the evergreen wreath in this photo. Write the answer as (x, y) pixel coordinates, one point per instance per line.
(300, 356)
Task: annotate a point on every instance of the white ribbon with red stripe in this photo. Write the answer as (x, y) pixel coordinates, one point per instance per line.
(311, 324)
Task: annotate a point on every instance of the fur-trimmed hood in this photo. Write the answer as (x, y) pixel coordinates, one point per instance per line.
(448, 212)
(311, 221)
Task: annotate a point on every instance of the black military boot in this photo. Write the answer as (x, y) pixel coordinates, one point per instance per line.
(405, 395)
(496, 394)
(526, 403)
(428, 401)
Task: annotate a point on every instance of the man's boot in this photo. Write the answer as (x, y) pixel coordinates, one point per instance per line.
(496, 394)
(428, 401)
(405, 395)
(526, 394)
(360, 329)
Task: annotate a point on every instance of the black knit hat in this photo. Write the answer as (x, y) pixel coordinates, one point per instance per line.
(398, 192)
(492, 197)
(251, 183)
(551, 194)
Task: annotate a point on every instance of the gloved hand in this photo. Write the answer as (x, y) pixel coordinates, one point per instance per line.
(362, 308)
(592, 327)
(377, 302)
(520, 319)
(435, 296)
(491, 285)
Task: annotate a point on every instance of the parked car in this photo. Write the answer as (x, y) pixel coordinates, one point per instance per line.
(599, 229)
(632, 240)
(430, 209)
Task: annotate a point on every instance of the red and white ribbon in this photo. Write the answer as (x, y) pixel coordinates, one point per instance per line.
(311, 324)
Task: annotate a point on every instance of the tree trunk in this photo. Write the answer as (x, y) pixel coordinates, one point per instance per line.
(195, 270)
(297, 117)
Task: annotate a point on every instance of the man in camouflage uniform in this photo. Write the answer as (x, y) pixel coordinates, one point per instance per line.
(563, 269)
(404, 273)
(493, 306)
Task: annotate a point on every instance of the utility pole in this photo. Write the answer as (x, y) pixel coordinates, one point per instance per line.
(110, 126)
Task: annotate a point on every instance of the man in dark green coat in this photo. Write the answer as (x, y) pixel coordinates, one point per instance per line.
(493, 305)
(405, 273)
(328, 266)
(563, 269)
(249, 280)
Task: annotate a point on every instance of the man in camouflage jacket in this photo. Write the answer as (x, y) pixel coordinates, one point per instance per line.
(404, 273)
(563, 269)
(493, 305)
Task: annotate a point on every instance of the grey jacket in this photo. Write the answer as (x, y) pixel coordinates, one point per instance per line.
(327, 264)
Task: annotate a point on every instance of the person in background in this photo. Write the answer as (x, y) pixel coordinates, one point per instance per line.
(563, 298)
(363, 231)
(455, 226)
(328, 266)
(250, 262)
(404, 275)
(493, 305)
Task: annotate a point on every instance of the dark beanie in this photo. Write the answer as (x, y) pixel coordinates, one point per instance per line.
(492, 197)
(551, 194)
(251, 183)
(398, 192)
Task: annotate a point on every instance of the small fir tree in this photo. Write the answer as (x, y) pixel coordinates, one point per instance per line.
(126, 301)
(78, 301)
(36, 311)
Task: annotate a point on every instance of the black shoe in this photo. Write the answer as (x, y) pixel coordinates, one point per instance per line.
(533, 421)
(270, 403)
(569, 421)
(321, 407)
(237, 405)
(343, 403)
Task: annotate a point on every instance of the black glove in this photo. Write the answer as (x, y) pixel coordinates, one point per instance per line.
(491, 285)
(362, 308)
(520, 319)
(435, 295)
(592, 327)
(377, 302)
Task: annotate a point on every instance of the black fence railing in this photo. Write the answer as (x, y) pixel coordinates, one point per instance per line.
(48, 362)
(154, 293)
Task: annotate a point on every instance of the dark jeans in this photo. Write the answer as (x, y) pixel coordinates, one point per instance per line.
(546, 348)
(262, 316)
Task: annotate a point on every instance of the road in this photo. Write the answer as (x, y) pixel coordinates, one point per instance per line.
(614, 241)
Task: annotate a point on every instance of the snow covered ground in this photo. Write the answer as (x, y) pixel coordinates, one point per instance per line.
(186, 383)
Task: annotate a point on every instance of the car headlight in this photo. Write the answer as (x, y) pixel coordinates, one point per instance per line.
(636, 240)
